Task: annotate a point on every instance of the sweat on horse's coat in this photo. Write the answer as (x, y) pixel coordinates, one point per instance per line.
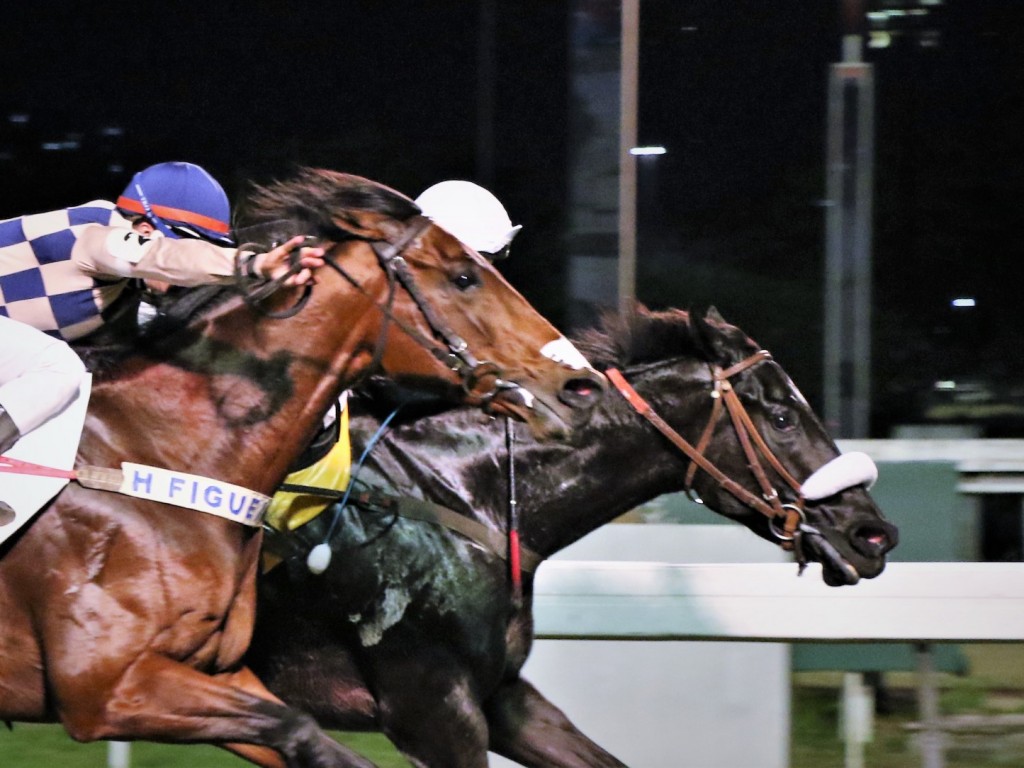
(443, 681)
(127, 619)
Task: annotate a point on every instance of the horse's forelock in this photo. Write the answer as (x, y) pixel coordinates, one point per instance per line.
(637, 335)
(316, 197)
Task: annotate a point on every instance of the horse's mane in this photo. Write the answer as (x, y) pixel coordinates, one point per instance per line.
(103, 351)
(309, 203)
(315, 199)
(637, 335)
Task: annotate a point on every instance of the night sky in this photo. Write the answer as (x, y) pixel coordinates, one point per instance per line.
(735, 91)
(237, 88)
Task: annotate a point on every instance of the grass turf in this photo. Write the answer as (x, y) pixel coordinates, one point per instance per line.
(31, 745)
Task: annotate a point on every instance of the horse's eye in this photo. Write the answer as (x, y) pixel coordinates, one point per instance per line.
(783, 421)
(465, 281)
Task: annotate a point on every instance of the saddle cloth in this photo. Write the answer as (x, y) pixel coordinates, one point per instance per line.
(53, 444)
(288, 511)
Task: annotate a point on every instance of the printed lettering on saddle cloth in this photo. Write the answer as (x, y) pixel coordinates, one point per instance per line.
(204, 494)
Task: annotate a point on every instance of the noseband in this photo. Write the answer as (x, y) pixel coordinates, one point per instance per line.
(785, 520)
(456, 355)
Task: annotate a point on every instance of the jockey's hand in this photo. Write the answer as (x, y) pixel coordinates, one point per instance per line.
(276, 263)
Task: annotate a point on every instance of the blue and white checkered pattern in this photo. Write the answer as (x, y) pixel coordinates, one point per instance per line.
(40, 285)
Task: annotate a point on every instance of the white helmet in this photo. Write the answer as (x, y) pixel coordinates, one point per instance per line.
(471, 213)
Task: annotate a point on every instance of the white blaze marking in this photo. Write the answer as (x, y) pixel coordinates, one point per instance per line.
(562, 351)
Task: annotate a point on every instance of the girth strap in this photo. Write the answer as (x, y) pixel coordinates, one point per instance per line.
(428, 512)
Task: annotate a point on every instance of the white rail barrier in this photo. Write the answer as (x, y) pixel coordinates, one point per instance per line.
(616, 619)
(909, 602)
(759, 607)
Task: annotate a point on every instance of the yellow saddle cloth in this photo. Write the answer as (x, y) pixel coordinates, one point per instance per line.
(288, 511)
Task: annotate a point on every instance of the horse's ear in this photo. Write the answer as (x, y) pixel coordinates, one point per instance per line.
(714, 316)
(709, 332)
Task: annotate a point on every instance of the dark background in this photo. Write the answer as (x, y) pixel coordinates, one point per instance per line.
(732, 215)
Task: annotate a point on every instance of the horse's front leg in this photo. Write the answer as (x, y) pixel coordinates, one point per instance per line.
(529, 729)
(428, 710)
(158, 699)
(265, 756)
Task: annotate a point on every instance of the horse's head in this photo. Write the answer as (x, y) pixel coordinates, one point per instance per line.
(771, 429)
(751, 447)
(433, 313)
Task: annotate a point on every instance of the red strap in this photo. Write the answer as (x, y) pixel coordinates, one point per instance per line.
(18, 467)
(514, 565)
(640, 405)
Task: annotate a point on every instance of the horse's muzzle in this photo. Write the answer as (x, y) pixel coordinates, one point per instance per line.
(583, 391)
(552, 419)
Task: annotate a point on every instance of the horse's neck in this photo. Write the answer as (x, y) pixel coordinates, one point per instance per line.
(563, 492)
(236, 402)
(438, 458)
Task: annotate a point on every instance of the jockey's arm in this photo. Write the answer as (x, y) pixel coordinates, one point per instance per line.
(124, 252)
(39, 376)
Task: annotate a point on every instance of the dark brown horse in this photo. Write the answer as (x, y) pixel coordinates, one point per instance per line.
(415, 630)
(126, 618)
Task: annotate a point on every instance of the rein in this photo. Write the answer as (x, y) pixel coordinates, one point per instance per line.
(458, 358)
(429, 512)
(754, 447)
(514, 548)
(456, 355)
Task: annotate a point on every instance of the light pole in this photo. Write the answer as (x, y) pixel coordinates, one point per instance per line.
(629, 75)
(849, 182)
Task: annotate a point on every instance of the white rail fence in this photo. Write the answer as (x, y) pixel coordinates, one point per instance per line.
(617, 652)
(670, 665)
(916, 602)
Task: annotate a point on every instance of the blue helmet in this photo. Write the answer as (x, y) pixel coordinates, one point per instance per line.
(181, 199)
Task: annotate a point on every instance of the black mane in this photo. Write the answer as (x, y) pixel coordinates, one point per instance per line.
(638, 335)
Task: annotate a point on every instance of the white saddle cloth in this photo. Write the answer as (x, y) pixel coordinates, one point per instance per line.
(53, 444)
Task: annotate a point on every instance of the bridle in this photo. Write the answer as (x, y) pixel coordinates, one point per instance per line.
(785, 520)
(458, 356)
(455, 353)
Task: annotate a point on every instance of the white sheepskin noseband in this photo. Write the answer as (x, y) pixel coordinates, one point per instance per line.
(842, 472)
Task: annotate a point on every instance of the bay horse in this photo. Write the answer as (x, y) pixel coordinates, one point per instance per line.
(125, 618)
(417, 630)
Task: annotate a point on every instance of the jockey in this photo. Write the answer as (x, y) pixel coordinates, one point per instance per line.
(39, 375)
(472, 214)
(67, 272)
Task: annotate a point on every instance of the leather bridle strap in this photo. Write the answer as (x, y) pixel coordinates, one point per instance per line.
(748, 433)
(390, 256)
(750, 439)
(455, 354)
(642, 407)
(459, 357)
(429, 512)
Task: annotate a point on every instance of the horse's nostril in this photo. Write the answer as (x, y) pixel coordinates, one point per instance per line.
(580, 387)
(875, 538)
(580, 391)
